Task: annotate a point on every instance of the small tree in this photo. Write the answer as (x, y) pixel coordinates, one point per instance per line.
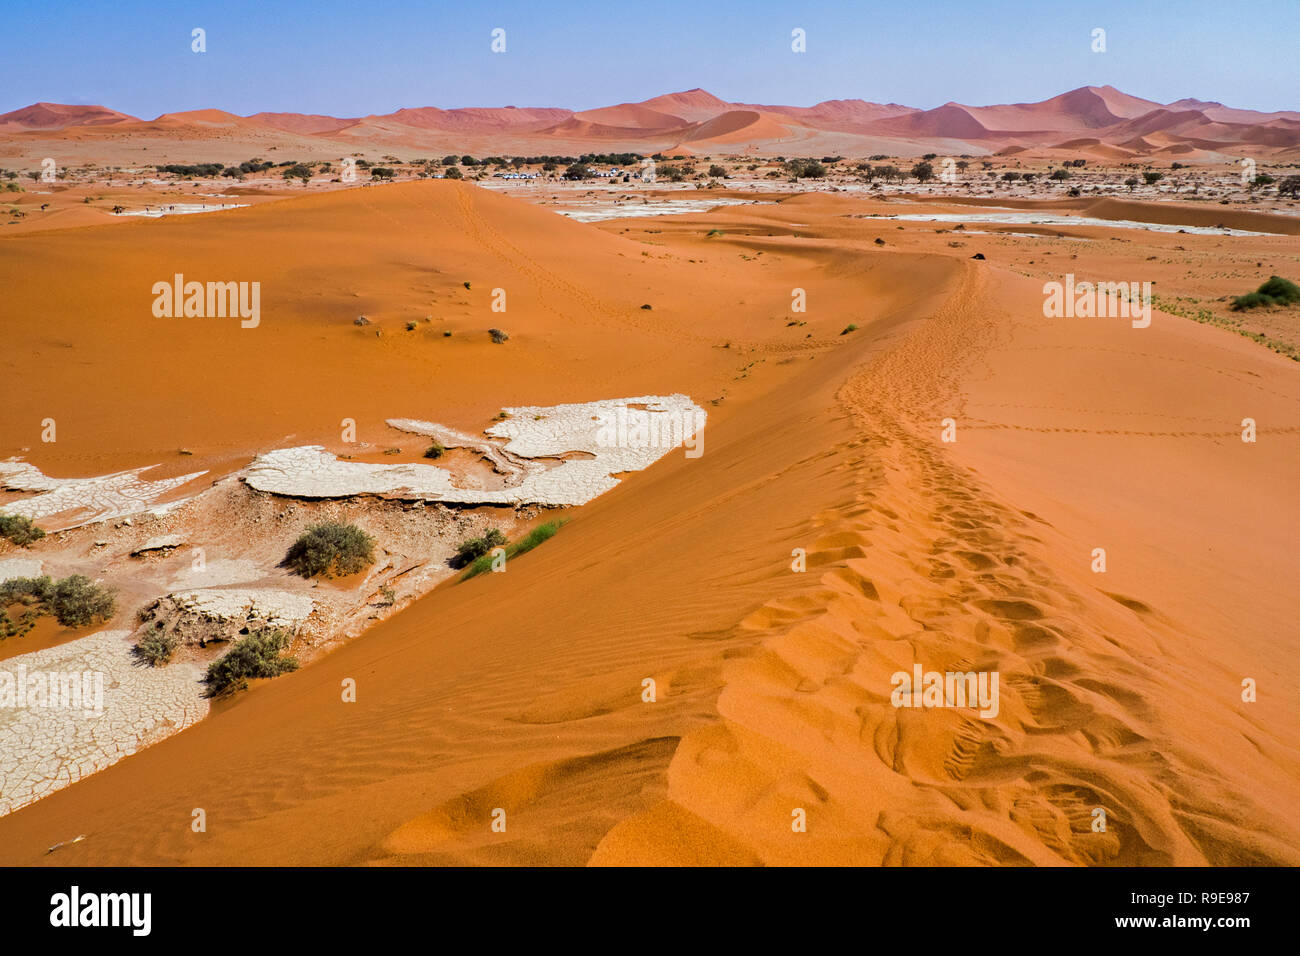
(1152, 177)
(717, 172)
(922, 172)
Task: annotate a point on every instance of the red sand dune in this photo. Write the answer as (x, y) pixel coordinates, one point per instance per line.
(523, 691)
(1115, 119)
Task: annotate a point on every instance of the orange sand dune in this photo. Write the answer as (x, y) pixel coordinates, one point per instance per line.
(1120, 122)
(524, 692)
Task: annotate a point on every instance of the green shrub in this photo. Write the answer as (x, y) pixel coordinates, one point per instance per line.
(331, 548)
(851, 327)
(1276, 291)
(77, 601)
(435, 450)
(21, 531)
(74, 601)
(156, 648)
(473, 548)
(256, 655)
(543, 532)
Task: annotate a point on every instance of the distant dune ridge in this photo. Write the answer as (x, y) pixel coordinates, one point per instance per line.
(1098, 121)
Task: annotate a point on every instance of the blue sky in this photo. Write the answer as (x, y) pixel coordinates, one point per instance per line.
(373, 56)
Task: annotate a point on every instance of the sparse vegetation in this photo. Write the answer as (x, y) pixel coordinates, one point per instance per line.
(20, 530)
(851, 327)
(331, 548)
(74, 601)
(1276, 291)
(472, 549)
(435, 450)
(157, 647)
(259, 654)
(543, 532)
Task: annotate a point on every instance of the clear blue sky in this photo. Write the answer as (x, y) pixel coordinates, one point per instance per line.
(354, 57)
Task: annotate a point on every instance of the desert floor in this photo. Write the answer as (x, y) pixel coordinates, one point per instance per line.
(523, 691)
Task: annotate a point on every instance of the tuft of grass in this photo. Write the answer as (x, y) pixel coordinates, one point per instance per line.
(473, 548)
(157, 647)
(330, 548)
(1276, 291)
(435, 450)
(851, 327)
(20, 530)
(543, 532)
(259, 654)
(499, 335)
(412, 326)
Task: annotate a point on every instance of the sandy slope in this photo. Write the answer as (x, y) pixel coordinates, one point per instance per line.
(522, 691)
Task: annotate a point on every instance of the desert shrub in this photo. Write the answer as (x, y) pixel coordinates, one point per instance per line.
(851, 327)
(77, 601)
(1290, 187)
(156, 648)
(330, 548)
(381, 172)
(717, 172)
(805, 169)
(473, 548)
(1153, 177)
(452, 172)
(74, 601)
(922, 172)
(435, 450)
(412, 326)
(498, 335)
(1276, 291)
(543, 532)
(1010, 176)
(20, 530)
(256, 655)
(1059, 174)
(297, 171)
